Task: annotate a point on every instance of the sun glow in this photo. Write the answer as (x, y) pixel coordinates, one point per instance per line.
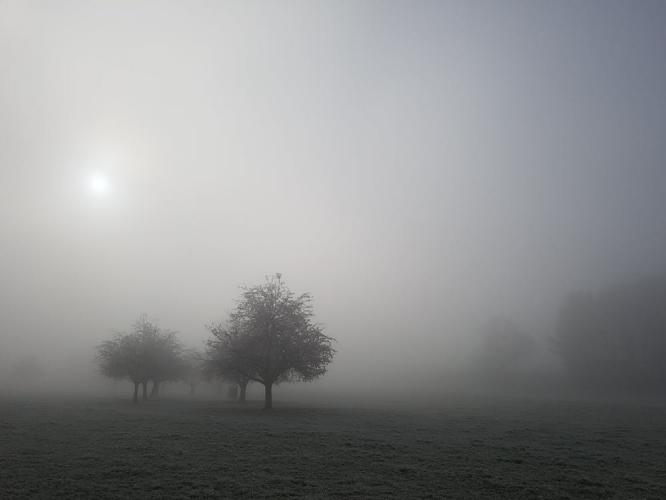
(99, 185)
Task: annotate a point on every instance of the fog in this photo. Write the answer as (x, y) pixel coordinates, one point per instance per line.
(421, 168)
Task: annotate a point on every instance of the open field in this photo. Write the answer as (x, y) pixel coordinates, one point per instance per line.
(106, 448)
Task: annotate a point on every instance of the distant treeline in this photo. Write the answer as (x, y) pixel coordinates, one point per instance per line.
(616, 338)
(613, 340)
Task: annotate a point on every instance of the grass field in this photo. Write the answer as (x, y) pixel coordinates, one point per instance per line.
(106, 448)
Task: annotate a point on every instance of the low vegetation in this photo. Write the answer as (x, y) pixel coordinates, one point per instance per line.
(459, 448)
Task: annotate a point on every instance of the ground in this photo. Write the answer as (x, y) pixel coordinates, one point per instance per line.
(458, 448)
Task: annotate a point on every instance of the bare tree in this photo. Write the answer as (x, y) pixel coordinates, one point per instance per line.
(147, 353)
(121, 358)
(163, 353)
(270, 338)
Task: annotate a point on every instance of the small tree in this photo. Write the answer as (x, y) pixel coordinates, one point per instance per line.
(121, 358)
(270, 338)
(163, 356)
(147, 353)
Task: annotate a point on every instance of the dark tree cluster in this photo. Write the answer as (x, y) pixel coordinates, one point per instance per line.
(269, 338)
(506, 349)
(146, 354)
(616, 338)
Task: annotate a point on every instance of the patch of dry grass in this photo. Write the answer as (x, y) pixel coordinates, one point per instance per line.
(101, 448)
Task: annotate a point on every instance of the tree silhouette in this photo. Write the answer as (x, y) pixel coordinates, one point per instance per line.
(146, 353)
(271, 338)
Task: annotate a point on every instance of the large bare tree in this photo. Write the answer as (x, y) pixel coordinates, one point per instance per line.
(271, 337)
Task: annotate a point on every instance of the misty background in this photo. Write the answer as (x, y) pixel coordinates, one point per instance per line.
(420, 167)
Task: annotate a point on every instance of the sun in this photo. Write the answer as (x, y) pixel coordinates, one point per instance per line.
(99, 184)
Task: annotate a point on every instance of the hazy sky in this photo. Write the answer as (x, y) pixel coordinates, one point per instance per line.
(418, 166)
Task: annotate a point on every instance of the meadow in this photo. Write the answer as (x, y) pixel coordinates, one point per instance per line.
(458, 447)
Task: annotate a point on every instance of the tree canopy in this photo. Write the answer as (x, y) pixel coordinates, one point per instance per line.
(270, 338)
(147, 353)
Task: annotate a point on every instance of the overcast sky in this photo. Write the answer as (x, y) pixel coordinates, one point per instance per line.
(418, 166)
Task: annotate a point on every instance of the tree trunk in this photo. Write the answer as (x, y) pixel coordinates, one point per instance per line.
(243, 391)
(136, 393)
(268, 401)
(145, 390)
(155, 392)
(192, 388)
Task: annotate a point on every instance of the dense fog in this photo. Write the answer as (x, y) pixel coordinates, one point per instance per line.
(445, 178)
